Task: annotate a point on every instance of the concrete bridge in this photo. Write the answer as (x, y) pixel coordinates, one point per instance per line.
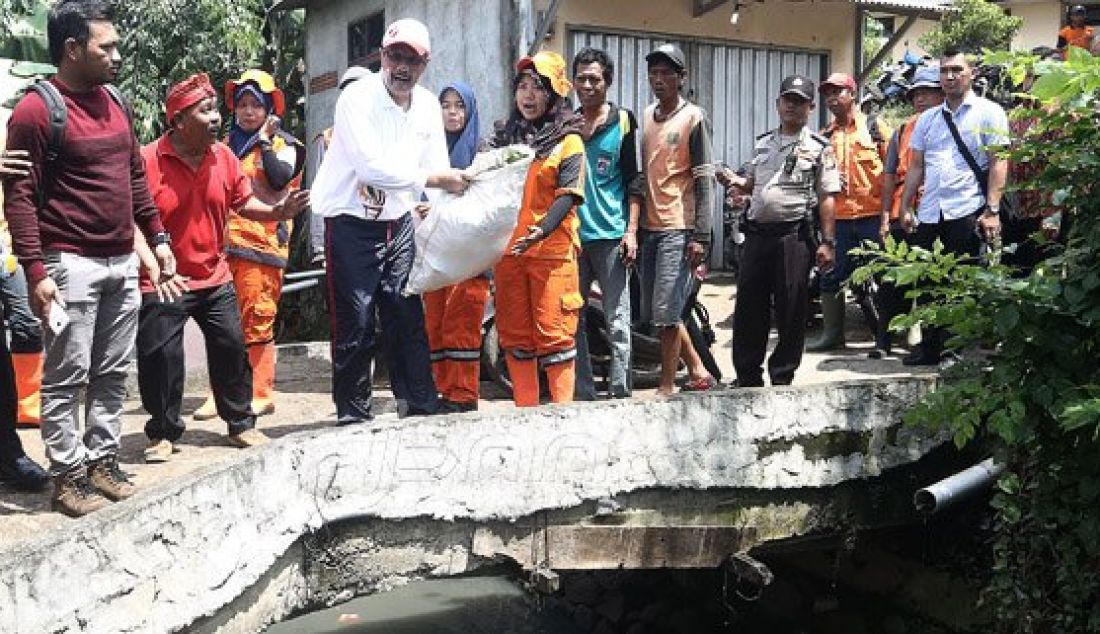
(318, 516)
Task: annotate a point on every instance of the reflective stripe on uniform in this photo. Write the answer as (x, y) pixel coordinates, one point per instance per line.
(558, 357)
(522, 355)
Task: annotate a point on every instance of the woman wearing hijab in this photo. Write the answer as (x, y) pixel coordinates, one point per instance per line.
(453, 314)
(257, 249)
(537, 291)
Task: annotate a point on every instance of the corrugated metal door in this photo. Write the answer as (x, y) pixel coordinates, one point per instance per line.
(735, 83)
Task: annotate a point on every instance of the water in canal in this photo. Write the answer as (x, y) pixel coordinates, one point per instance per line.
(494, 605)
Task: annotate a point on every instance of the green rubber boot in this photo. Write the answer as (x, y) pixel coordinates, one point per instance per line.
(832, 330)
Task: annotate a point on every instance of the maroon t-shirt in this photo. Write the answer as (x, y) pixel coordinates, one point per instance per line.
(96, 191)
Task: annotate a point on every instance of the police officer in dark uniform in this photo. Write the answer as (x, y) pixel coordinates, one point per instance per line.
(792, 172)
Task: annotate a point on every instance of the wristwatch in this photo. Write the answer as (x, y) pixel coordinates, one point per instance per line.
(829, 242)
(162, 237)
(992, 210)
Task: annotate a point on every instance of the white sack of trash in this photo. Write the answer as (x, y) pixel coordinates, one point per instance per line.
(464, 236)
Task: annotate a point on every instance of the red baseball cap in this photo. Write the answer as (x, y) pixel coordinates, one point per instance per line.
(840, 80)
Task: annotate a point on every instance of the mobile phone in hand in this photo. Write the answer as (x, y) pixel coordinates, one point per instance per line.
(57, 319)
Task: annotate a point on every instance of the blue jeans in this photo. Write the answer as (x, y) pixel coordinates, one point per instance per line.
(849, 235)
(368, 264)
(26, 333)
(600, 260)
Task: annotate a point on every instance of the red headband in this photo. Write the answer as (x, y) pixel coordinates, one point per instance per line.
(187, 93)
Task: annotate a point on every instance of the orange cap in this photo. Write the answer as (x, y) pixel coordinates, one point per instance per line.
(551, 66)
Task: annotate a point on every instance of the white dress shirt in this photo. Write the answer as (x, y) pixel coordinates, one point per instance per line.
(378, 144)
(951, 191)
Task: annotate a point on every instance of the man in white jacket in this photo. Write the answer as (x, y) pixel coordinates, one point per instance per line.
(388, 150)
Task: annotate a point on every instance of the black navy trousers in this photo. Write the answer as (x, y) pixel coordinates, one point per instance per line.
(775, 267)
(368, 264)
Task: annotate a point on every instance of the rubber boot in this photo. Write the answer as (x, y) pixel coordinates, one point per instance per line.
(832, 328)
(562, 378)
(262, 358)
(208, 410)
(525, 381)
(28, 386)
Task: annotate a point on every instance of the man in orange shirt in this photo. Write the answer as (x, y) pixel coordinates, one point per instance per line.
(1076, 33)
(860, 147)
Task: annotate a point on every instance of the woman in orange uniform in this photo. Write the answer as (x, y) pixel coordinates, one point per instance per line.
(258, 250)
(453, 314)
(537, 291)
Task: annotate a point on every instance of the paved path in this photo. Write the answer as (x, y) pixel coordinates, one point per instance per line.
(304, 402)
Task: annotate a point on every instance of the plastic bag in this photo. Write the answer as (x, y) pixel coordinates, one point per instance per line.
(464, 236)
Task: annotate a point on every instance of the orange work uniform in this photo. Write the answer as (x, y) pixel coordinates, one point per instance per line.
(538, 298)
(905, 153)
(859, 159)
(1081, 38)
(257, 254)
(452, 316)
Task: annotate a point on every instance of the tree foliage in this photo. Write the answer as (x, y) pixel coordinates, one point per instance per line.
(972, 25)
(164, 41)
(1034, 395)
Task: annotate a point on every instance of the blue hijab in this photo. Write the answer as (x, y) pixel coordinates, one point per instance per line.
(463, 145)
(240, 141)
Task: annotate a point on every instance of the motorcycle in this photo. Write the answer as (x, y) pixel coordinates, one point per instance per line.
(645, 345)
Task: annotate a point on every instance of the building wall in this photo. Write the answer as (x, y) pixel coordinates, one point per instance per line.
(471, 41)
(824, 26)
(909, 41)
(1041, 23)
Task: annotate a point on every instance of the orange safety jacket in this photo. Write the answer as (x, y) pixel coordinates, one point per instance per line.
(562, 172)
(263, 241)
(905, 153)
(859, 157)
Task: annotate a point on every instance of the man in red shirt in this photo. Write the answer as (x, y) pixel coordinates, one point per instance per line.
(195, 181)
(76, 245)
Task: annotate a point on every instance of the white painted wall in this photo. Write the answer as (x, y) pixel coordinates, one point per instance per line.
(471, 41)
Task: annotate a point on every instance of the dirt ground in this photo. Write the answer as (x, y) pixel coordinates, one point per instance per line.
(304, 403)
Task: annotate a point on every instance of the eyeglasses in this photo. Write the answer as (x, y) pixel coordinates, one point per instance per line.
(400, 59)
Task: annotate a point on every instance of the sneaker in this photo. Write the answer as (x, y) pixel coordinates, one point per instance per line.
(24, 474)
(158, 451)
(248, 438)
(74, 495)
(105, 475)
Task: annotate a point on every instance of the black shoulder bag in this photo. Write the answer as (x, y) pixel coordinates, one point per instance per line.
(981, 175)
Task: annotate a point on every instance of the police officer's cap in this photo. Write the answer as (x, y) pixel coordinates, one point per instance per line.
(797, 85)
(670, 53)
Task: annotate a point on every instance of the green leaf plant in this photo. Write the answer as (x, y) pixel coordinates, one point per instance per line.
(1029, 385)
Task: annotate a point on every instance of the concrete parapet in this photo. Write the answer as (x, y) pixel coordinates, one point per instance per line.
(173, 556)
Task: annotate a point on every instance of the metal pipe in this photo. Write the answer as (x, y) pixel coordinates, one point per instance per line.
(294, 276)
(299, 286)
(946, 492)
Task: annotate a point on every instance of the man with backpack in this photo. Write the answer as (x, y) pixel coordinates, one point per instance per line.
(72, 222)
(859, 144)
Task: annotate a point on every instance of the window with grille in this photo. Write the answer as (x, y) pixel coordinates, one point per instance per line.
(365, 41)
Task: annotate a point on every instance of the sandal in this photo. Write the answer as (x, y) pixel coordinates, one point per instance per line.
(699, 385)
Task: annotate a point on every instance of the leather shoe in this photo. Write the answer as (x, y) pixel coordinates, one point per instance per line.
(24, 473)
(921, 356)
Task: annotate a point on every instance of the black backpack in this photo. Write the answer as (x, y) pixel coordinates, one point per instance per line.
(59, 114)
